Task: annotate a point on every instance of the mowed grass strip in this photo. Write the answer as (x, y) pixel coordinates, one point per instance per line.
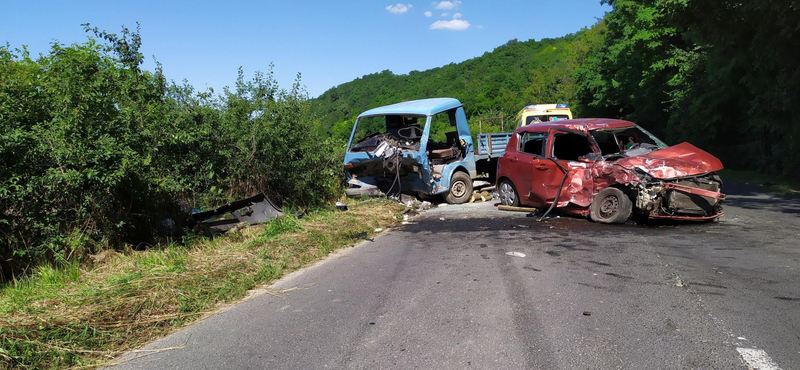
(85, 316)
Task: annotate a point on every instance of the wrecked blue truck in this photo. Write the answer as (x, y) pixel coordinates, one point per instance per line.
(420, 147)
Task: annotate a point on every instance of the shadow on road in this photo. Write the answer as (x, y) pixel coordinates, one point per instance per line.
(750, 198)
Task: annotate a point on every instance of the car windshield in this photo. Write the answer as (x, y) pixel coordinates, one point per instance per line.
(626, 141)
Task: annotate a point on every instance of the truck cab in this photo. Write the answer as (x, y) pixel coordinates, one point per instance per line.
(538, 113)
(420, 147)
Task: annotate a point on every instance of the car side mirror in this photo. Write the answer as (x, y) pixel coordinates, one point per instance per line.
(588, 158)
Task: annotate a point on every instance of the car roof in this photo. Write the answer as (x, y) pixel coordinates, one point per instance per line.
(422, 107)
(580, 124)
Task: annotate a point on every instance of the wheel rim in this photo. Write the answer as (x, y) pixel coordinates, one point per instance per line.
(459, 189)
(506, 194)
(609, 206)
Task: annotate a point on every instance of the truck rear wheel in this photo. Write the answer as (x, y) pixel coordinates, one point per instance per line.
(460, 188)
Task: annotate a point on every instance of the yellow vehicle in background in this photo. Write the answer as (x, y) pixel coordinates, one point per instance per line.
(538, 113)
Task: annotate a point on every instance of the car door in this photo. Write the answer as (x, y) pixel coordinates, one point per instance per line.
(546, 176)
(532, 165)
(519, 166)
(562, 147)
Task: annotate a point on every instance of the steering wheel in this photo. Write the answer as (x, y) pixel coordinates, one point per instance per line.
(415, 133)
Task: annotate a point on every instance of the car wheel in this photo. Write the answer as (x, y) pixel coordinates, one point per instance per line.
(611, 206)
(460, 188)
(508, 193)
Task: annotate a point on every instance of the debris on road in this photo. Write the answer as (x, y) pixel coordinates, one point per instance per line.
(587, 313)
(516, 254)
(517, 209)
(441, 218)
(480, 196)
(378, 230)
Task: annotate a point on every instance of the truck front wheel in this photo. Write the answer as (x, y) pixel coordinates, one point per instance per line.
(460, 188)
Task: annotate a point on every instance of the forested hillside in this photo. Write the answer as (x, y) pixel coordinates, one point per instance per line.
(721, 74)
(503, 80)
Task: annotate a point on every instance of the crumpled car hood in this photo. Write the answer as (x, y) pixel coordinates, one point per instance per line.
(676, 161)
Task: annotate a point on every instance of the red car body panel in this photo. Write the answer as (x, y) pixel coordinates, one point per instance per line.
(676, 161)
(537, 182)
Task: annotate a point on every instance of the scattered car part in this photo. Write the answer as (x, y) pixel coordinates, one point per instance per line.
(517, 209)
(251, 211)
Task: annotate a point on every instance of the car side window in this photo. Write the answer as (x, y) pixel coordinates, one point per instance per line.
(531, 143)
(570, 147)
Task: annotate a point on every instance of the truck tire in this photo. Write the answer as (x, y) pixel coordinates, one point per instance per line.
(611, 206)
(460, 188)
(508, 193)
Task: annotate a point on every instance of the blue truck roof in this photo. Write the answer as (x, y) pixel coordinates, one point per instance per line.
(422, 107)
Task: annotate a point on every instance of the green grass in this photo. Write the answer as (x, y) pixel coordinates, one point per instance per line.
(85, 316)
(763, 182)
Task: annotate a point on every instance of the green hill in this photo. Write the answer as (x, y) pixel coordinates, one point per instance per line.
(503, 80)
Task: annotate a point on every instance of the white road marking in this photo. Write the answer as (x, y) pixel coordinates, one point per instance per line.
(757, 359)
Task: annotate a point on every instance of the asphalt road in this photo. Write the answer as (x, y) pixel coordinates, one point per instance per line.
(445, 295)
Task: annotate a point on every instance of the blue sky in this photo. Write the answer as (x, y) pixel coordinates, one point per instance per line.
(329, 42)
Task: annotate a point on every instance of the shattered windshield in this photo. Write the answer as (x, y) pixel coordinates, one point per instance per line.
(404, 129)
(627, 141)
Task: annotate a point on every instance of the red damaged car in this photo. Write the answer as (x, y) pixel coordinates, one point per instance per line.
(609, 170)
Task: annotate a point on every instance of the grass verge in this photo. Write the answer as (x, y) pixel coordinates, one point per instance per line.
(763, 182)
(85, 316)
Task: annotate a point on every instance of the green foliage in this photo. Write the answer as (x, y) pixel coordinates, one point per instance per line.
(95, 151)
(717, 73)
(504, 80)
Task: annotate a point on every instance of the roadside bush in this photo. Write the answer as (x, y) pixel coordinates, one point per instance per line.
(95, 151)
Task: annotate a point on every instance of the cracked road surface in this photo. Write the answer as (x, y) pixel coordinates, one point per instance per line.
(445, 295)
